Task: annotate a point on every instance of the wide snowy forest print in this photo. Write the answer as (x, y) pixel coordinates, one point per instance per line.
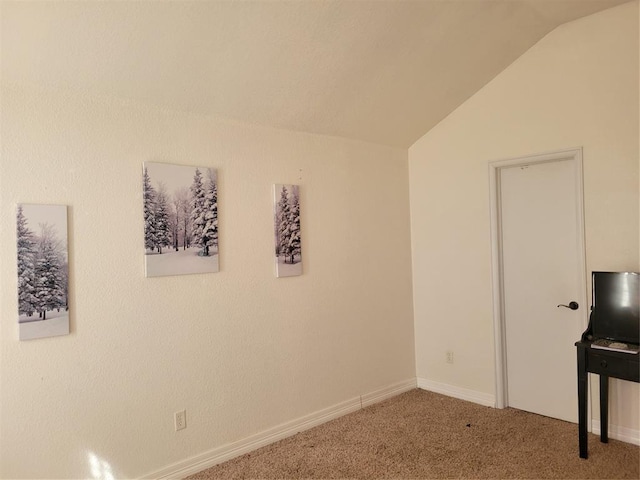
(287, 230)
(180, 219)
(43, 271)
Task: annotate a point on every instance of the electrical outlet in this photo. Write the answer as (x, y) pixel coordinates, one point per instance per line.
(180, 419)
(449, 356)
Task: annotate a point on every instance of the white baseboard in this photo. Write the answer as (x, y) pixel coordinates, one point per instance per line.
(387, 392)
(474, 396)
(623, 434)
(226, 452)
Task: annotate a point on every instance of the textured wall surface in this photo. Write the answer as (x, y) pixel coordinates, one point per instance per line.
(576, 87)
(240, 350)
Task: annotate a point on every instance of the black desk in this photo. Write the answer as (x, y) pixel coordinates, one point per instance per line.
(606, 364)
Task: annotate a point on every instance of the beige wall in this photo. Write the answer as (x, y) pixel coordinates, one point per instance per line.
(241, 350)
(577, 87)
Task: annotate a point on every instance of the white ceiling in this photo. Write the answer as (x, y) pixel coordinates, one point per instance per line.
(379, 71)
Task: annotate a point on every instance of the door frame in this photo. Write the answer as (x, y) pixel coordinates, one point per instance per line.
(500, 343)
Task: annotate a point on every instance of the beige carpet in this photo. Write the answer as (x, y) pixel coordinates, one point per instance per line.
(421, 434)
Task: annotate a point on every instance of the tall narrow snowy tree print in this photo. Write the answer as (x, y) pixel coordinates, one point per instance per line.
(43, 271)
(180, 205)
(288, 244)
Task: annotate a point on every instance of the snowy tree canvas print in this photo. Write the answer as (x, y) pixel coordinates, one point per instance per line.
(180, 219)
(287, 230)
(43, 271)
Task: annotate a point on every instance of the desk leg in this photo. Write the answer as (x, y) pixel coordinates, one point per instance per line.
(582, 402)
(604, 409)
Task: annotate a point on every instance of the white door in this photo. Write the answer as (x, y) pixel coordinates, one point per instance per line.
(542, 252)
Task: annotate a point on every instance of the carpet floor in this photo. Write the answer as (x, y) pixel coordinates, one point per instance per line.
(421, 434)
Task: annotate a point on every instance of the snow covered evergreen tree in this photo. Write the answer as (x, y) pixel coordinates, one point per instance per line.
(49, 287)
(149, 200)
(27, 301)
(283, 232)
(161, 216)
(198, 211)
(294, 245)
(209, 236)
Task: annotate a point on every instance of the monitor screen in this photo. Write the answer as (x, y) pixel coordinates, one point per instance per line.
(616, 306)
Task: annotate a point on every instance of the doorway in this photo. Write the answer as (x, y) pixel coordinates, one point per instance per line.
(538, 270)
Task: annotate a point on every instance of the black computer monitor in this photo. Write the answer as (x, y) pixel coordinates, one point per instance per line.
(616, 306)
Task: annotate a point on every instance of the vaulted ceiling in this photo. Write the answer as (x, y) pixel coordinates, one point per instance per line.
(378, 71)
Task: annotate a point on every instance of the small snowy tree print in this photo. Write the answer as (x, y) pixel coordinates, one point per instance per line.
(43, 271)
(180, 208)
(288, 244)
